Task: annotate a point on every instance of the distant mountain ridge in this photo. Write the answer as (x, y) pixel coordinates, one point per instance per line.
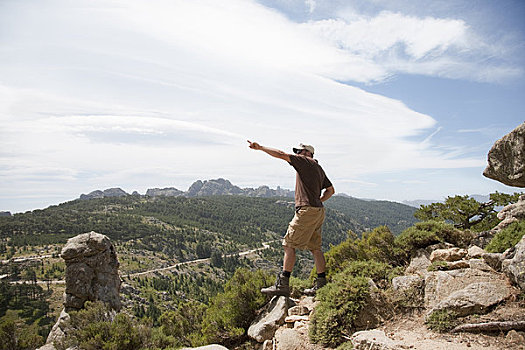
(221, 187)
(419, 202)
(216, 187)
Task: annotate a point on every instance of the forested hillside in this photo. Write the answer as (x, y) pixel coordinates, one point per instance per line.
(154, 232)
(371, 214)
(178, 220)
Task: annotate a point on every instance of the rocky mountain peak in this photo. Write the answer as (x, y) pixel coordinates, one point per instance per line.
(166, 192)
(214, 187)
(110, 192)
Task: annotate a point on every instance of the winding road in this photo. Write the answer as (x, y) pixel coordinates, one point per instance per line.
(266, 245)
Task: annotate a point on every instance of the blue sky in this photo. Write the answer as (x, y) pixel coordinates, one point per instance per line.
(402, 99)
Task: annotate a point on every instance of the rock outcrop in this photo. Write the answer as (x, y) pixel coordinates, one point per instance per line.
(293, 335)
(91, 274)
(110, 192)
(373, 339)
(164, 192)
(506, 159)
(225, 187)
(265, 325)
(476, 298)
(91, 271)
(474, 285)
(212, 187)
(439, 285)
(215, 187)
(450, 255)
(514, 265)
(511, 213)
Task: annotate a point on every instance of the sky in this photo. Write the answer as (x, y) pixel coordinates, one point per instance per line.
(402, 99)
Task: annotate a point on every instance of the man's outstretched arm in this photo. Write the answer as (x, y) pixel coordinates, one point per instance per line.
(271, 151)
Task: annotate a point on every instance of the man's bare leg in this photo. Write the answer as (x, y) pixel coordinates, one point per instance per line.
(289, 259)
(320, 262)
(320, 266)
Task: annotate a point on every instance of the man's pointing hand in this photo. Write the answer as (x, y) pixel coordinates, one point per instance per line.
(254, 145)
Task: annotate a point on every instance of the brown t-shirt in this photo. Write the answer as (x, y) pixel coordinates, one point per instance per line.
(309, 182)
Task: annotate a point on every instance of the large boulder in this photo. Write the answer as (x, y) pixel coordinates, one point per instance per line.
(292, 339)
(91, 274)
(265, 325)
(506, 159)
(439, 285)
(450, 254)
(514, 265)
(419, 263)
(91, 271)
(374, 339)
(476, 298)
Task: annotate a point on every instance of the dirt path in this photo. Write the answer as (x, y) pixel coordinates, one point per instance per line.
(412, 333)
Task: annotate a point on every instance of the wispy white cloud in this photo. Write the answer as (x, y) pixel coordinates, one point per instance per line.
(100, 93)
(398, 43)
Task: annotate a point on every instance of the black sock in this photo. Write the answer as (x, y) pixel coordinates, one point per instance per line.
(286, 273)
(321, 275)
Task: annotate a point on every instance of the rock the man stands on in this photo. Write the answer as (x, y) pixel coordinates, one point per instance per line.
(304, 231)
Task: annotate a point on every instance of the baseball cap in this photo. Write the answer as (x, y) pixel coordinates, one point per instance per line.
(302, 146)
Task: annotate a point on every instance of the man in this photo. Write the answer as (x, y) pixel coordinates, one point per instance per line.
(304, 231)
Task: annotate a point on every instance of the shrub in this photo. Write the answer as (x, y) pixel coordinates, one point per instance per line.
(230, 313)
(506, 238)
(424, 234)
(183, 323)
(16, 334)
(339, 304)
(379, 272)
(344, 251)
(377, 245)
(441, 321)
(98, 327)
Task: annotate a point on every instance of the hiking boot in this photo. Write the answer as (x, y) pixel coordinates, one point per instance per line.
(319, 283)
(281, 287)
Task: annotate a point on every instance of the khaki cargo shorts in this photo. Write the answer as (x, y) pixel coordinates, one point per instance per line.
(304, 231)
